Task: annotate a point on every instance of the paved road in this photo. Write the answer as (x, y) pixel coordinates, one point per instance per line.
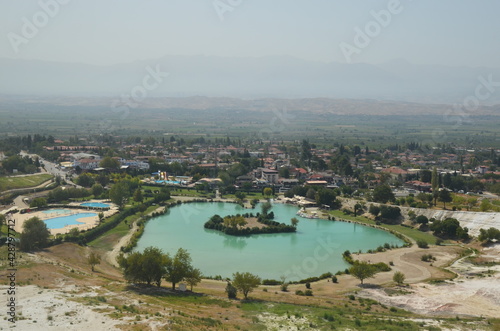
(51, 168)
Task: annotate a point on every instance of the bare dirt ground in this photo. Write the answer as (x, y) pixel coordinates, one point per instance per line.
(474, 292)
(51, 309)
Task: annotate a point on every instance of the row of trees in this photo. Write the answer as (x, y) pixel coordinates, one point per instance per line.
(449, 228)
(152, 265)
(22, 164)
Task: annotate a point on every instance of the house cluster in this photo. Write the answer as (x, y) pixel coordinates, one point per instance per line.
(374, 166)
(91, 162)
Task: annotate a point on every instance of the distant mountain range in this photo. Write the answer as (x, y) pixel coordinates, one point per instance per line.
(247, 78)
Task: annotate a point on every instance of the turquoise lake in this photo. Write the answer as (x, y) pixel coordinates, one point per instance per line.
(314, 249)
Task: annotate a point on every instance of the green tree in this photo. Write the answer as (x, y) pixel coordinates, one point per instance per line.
(447, 180)
(357, 207)
(399, 277)
(266, 207)
(254, 202)
(444, 197)
(374, 210)
(97, 190)
(38, 202)
(485, 205)
(138, 195)
(147, 267)
(382, 194)
(178, 267)
(240, 195)
(450, 228)
(471, 203)
(268, 192)
(489, 234)
(193, 277)
(421, 219)
(434, 180)
(231, 291)
(325, 196)
(119, 193)
(109, 163)
(423, 197)
(247, 187)
(294, 221)
(245, 282)
(362, 270)
(93, 259)
(35, 235)
(85, 180)
(234, 221)
(425, 175)
(284, 172)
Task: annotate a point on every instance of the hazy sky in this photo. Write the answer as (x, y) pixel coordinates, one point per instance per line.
(448, 32)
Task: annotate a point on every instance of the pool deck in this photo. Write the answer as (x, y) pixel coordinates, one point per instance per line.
(88, 222)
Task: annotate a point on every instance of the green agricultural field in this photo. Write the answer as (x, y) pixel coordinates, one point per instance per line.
(320, 128)
(9, 183)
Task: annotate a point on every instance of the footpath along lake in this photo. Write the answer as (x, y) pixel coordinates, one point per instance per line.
(314, 249)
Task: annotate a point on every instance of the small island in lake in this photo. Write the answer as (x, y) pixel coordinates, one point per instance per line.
(247, 224)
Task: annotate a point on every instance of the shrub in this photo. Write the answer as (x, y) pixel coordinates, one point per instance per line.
(428, 258)
(399, 278)
(271, 282)
(299, 292)
(308, 293)
(308, 285)
(334, 279)
(422, 244)
(231, 291)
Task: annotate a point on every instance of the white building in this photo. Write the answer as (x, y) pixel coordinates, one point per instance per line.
(269, 175)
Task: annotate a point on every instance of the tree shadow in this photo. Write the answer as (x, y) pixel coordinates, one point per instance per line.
(160, 291)
(369, 286)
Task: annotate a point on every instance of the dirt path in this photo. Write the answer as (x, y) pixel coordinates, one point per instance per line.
(113, 254)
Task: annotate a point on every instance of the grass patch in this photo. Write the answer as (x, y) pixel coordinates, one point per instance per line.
(10, 183)
(340, 317)
(409, 232)
(107, 240)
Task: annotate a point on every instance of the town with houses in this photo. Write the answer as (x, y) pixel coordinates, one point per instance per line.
(365, 170)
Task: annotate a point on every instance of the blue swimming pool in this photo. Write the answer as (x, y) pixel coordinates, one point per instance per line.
(95, 204)
(61, 222)
(169, 182)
